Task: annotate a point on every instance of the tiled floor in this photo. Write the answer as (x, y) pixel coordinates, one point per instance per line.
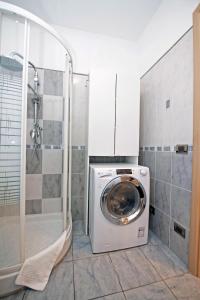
(150, 272)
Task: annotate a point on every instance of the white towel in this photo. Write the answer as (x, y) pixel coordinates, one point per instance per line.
(36, 270)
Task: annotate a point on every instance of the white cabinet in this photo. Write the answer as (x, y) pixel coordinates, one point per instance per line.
(113, 114)
(101, 113)
(127, 115)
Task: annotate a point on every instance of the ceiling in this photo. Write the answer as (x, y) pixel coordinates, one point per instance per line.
(124, 19)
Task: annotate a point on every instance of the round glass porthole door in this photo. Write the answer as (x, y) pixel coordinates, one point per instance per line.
(123, 200)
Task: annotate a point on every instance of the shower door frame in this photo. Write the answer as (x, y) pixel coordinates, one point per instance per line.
(23, 140)
(28, 18)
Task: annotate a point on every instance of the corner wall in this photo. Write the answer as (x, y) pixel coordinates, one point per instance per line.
(166, 120)
(171, 20)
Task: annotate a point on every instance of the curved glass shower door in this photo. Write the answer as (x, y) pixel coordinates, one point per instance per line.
(44, 216)
(35, 80)
(11, 73)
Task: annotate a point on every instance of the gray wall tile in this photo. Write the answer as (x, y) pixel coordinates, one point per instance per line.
(52, 132)
(33, 206)
(182, 170)
(33, 161)
(160, 225)
(179, 245)
(53, 82)
(180, 206)
(78, 183)
(78, 161)
(77, 208)
(149, 161)
(51, 187)
(152, 191)
(163, 166)
(170, 79)
(162, 196)
(141, 158)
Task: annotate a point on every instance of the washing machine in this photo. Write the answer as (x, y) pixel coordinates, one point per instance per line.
(118, 206)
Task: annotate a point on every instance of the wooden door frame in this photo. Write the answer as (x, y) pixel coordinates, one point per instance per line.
(194, 247)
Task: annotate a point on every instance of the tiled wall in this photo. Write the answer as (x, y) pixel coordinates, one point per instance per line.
(44, 174)
(170, 195)
(166, 120)
(79, 143)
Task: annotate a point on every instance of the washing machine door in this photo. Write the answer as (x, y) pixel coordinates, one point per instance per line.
(123, 200)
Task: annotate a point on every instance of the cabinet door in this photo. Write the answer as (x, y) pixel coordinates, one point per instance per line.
(127, 115)
(101, 113)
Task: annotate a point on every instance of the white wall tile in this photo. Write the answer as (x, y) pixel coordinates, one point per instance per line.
(51, 205)
(53, 108)
(52, 161)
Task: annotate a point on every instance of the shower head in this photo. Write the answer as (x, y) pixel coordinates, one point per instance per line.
(10, 64)
(14, 53)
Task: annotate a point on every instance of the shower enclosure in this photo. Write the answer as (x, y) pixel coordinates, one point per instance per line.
(35, 94)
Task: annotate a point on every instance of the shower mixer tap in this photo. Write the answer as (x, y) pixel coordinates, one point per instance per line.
(36, 131)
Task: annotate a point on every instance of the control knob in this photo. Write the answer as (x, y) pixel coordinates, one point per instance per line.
(143, 172)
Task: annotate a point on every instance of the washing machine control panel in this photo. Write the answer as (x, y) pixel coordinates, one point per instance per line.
(124, 171)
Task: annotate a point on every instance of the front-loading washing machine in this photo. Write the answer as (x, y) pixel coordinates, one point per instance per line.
(118, 206)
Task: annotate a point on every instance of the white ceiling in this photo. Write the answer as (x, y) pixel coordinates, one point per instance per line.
(118, 18)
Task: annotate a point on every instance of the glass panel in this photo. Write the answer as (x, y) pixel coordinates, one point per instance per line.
(44, 165)
(123, 200)
(12, 35)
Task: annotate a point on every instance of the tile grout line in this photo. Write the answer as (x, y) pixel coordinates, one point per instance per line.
(152, 263)
(99, 297)
(73, 279)
(143, 285)
(163, 279)
(125, 290)
(124, 295)
(170, 288)
(179, 187)
(161, 211)
(23, 297)
(122, 290)
(170, 202)
(115, 271)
